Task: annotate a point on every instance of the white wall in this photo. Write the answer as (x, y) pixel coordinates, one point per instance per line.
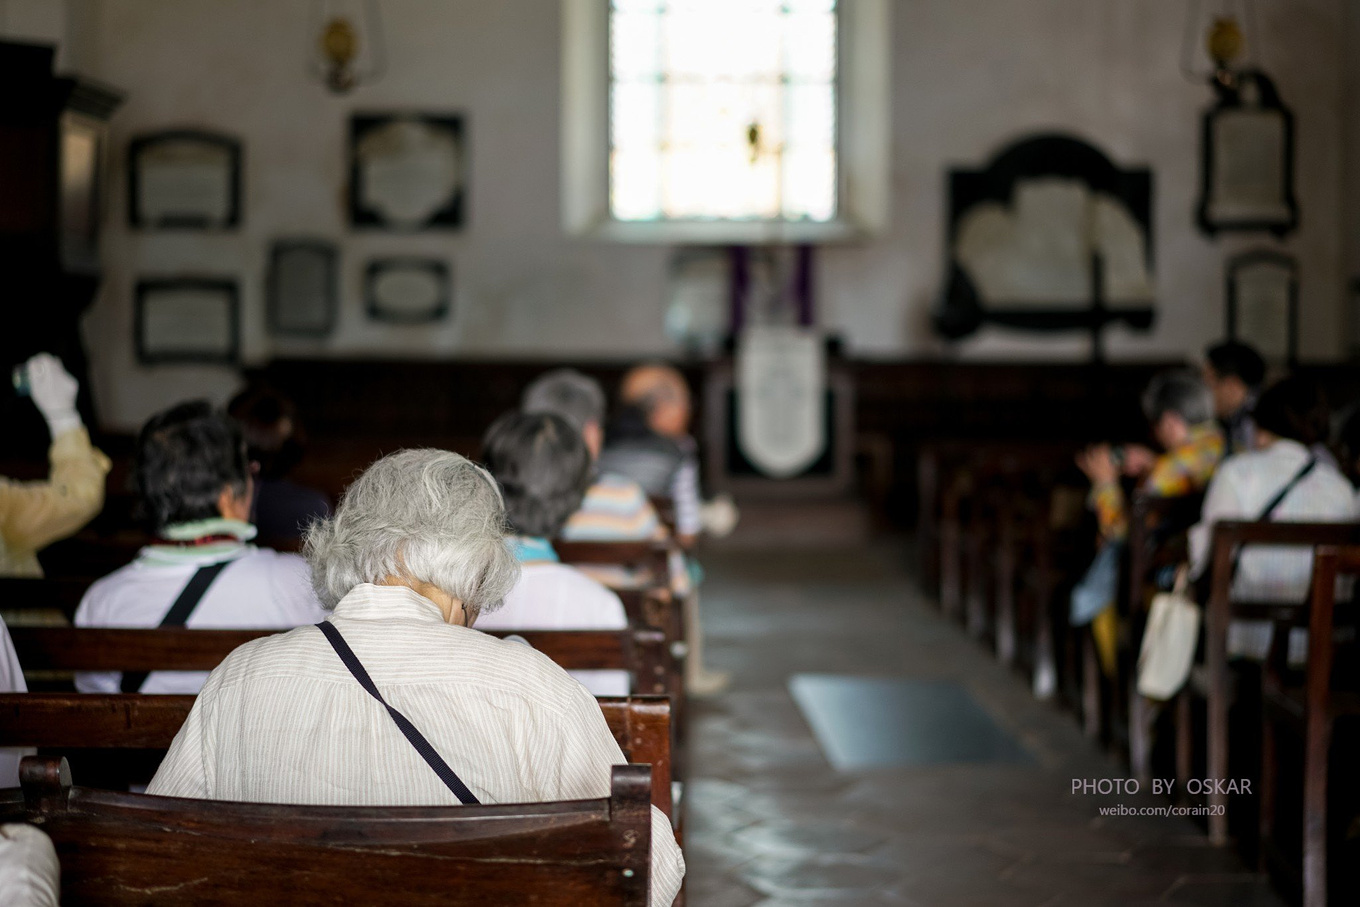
(970, 76)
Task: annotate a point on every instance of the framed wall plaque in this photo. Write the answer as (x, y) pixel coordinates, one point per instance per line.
(187, 320)
(301, 295)
(1263, 304)
(407, 290)
(1247, 178)
(184, 179)
(1051, 235)
(407, 171)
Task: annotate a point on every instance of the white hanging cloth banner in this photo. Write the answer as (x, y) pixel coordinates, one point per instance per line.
(781, 398)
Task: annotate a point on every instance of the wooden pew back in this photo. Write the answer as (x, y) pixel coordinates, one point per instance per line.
(68, 722)
(32, 594)
(1312, 710)
(642, 652)
(1228, 536)
(132, 849)
(650, 556)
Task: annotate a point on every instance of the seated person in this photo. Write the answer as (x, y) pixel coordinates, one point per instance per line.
(11, 681)
(274, 440)
(1234, 372)
(649, 442)
(412, 557)
(194, 480)
(35, 514)
(543, 468)
(1291, 417)
(1180, 409)
(30, 875)
(615, 508)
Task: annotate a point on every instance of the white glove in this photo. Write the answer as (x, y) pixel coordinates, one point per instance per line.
(54, 393)
(719, 516)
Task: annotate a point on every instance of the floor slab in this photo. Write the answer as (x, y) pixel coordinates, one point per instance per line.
(930, 816)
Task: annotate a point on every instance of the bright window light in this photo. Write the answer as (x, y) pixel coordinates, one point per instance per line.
(722, 110)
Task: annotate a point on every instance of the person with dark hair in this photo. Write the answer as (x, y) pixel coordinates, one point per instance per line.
(275, 440)
(194, 479)
(543, 468)
(1283, 480)
(1234, 372)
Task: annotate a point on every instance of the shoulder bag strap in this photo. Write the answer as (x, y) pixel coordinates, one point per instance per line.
(1269, 509)
(178, 615)
(413, 736)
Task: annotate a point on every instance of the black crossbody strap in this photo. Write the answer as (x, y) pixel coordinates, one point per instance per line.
(1269, 509)
(178, 615)
(413, 736)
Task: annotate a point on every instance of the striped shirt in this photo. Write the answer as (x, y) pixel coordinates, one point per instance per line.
(281, 720)
(614, 509)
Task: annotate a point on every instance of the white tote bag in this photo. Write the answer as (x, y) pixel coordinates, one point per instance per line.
(1169, 643)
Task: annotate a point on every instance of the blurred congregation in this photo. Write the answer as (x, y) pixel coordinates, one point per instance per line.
(578, 452)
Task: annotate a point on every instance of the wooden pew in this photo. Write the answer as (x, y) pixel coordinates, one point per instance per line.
(1157, 538)
(653, 604)
(1310, 710)
(59, 597)
(132, 849)
(642, 652)
(68, 722)
(651, 558)
(949, 474)
(90, 554)
(1212, 680)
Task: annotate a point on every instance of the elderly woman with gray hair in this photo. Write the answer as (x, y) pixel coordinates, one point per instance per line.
(415, 552)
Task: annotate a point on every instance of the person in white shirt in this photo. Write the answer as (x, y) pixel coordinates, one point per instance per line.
(414, 555)
(194, 479)
(11, 681)
(543, 468)
(1291, 418)
(30, 875)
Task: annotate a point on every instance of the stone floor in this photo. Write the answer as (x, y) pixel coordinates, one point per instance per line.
(771, 823)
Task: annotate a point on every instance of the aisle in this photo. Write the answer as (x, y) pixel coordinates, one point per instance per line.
(984, 812)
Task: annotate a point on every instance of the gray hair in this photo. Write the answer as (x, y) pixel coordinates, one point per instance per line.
(567, 393)
(427, 515)
(1181, 392)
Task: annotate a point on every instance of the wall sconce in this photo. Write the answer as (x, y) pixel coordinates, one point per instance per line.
(343, 57)
(1225, 41)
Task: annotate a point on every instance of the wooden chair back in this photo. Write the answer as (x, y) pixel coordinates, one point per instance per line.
(72, 722)
(133, 849)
